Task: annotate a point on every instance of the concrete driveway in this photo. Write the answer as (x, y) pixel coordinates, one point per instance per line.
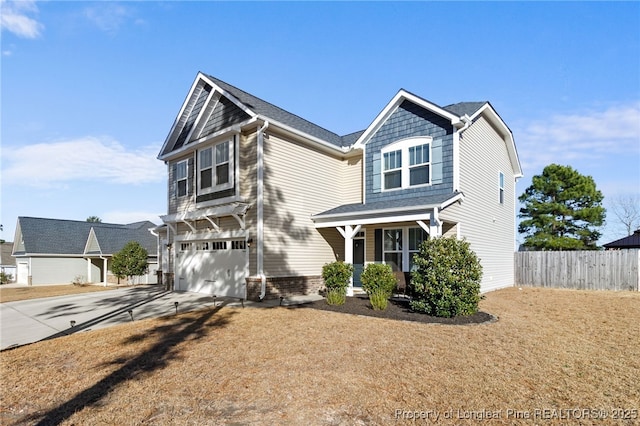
(30, 321)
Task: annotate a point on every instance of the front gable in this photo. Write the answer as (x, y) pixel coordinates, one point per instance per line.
(408, 123)
(207, 110)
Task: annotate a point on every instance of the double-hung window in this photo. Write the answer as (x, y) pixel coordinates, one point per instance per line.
(407, 163)
(215, 167)
(419, 164)
(392, 248)
(501, 187)
(181, 178)
(396, 253)
(393, 169)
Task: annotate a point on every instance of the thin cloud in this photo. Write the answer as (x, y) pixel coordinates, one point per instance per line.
(107, 16)
(14, 17)
(83, 159)
(592, 135)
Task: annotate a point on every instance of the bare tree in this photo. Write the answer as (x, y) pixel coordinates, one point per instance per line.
(626, 209)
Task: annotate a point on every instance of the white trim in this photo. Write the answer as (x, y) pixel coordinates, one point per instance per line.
(446, 203)
(231, 161)
(391, 107)
(404, 145)
(492, 116)
(426, 216)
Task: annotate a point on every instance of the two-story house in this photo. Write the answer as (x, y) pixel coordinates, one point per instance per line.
(260, 199)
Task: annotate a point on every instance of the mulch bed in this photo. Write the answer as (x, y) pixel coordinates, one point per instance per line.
(397, 309)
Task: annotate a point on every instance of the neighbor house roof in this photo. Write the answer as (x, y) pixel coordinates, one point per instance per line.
(36, 235)
(631, 241)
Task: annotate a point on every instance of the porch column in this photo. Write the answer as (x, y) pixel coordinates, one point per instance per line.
(348, 233)
(89, 279)
(435, 225)
(105, 271)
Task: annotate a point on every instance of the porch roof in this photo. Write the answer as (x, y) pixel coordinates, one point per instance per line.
(385, 211)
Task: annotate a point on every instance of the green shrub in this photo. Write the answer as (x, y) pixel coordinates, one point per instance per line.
(446, 282)
(336, 297)
(5, 278)
(378, 281)
(336, 276)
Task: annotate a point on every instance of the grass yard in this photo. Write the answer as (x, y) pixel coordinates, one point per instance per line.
(12, 294)
(551, 354)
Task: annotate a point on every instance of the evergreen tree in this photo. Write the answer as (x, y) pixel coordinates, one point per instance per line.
(562, 211)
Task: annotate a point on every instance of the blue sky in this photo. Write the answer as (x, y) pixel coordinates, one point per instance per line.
(91, 89)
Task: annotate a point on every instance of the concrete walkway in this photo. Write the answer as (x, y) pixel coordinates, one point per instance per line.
(30, 321)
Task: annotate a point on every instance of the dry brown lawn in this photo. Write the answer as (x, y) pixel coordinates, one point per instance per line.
(12, 294)
(550, 354)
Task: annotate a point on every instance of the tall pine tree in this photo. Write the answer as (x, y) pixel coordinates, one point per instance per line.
(562, 211)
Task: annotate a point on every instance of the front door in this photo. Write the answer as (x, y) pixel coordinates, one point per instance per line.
(358, 260)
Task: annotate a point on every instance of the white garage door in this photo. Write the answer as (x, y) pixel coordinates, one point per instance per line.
(212, 267)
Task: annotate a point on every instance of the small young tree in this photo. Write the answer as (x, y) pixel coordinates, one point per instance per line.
(378, 281)
(336, 277)
(130, 261)
(446, 282)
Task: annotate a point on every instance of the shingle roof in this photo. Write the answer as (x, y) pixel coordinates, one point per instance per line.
(60, 236)
(631, 241)
(405, 203)
(273, 112)
(462, 108)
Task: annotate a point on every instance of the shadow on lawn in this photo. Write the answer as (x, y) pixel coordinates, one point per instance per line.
(187, 327)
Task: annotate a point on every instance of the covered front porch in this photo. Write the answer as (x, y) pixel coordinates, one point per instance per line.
(385, 234)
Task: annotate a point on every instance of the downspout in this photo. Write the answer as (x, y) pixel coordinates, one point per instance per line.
(260, 212)
(456, 150)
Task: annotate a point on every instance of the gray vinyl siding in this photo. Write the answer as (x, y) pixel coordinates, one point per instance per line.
(488, 225)
(299, 181)
(410, 120)
(57, 270)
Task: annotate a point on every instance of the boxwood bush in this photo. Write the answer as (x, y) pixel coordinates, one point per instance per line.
(378, 281)
(336, 276)
(446, 282)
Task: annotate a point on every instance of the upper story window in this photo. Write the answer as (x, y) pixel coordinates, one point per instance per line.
(407, 163)
(501, 187)
(215, 167)
(392, 169)
(181, 178)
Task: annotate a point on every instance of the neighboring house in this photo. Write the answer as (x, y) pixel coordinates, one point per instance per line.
(260, 199)
(54, 251)
(7, 262)
(629, 242)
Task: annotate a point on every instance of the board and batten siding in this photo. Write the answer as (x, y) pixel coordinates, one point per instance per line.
(300, 181)
(486, 224)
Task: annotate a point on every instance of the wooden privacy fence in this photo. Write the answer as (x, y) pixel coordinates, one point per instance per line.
(584, 270)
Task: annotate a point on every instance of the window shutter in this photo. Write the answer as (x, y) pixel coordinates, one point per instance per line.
(436, 162)
(376, 175)
(190, 173)
(377, 242)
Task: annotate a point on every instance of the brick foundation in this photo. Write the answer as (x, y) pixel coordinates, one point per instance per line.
(284, 286)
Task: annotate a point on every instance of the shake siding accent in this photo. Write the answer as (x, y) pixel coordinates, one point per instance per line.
(410, 120)
(299, 181)
(486, 224)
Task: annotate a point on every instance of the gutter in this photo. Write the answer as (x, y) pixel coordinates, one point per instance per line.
(260, 211)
